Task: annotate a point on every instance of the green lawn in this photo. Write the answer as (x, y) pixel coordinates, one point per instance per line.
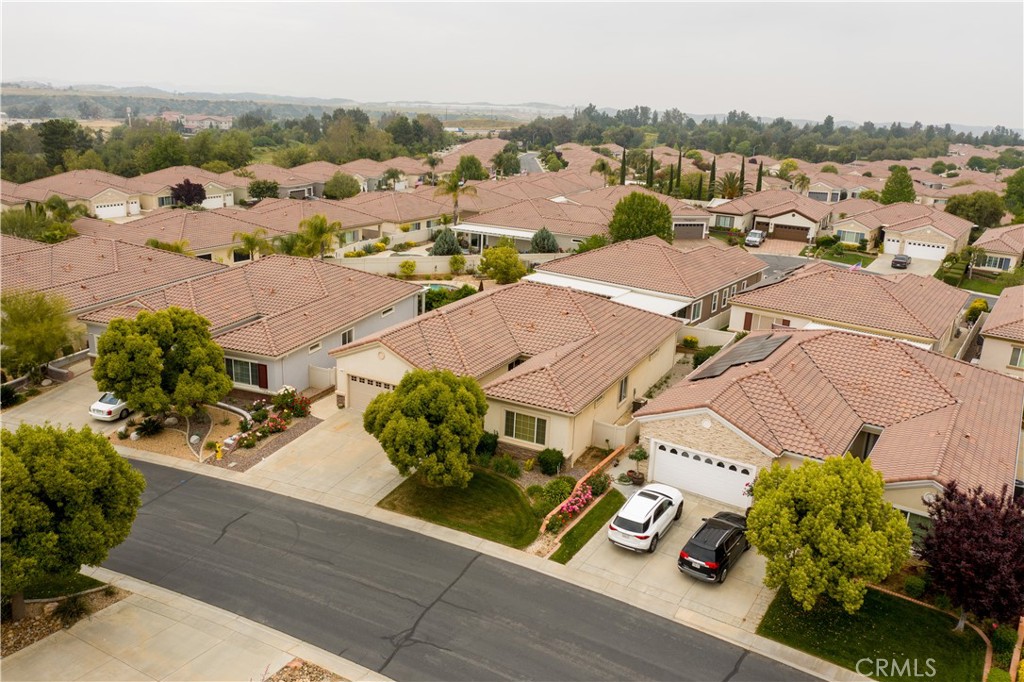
(592, 522)
(491, 507)
(982, 286)
(886, 627)
(58, 586)
(850, 258)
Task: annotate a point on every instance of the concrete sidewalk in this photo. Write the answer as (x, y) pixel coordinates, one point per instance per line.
(156, 634)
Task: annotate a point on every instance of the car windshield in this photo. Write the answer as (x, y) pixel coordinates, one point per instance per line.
(699, 553)
(629, 525)
(108, 399)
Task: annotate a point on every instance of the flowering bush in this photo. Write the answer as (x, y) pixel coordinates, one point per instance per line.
(578, 502)
(247, 441)
(599, 483)
(262, 432)
(275, 424)
(556, 523)
(260, 415)
(291, 401)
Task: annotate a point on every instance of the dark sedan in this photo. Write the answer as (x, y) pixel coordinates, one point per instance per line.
(901, 261)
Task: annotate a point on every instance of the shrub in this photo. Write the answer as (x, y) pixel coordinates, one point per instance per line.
(624, 478)
(407, 267)
(528, 464)
(262, 432)
(211, 445)
(556, 523)
(577, 502)
(691, 342)
(599, 483)
(122, 433)
(639, 454)
(998, 675)
(358, 253)
(9, 396)
(486, 447)
(837, 249)
(400, 247)
(703, 354)
(943, 602)
(977, 307)
(405, 227)
(558, 490)
(244, 425)
(550, 461)
(826, 241)
(32, 392)
(260, 415)
(1004, 639)
(275, 424)
(534, 490)
(914, 586)
(542, 506)
(247, 441)
(72, 609)
(457, 263)
(506, 466)
(150, 426)
(288, 400)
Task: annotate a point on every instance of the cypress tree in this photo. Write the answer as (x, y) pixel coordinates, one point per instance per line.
(743, 172)
(650, 171)
(711, 180)
(679, 166)
(760, 174)
(671, 179)
(622, 168)
(700, 188)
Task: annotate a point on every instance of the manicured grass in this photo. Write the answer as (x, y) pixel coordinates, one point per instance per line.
(886, 627)
(58, 586)
(592, 522)
(849, 258)
(982, 286)
(491, 507)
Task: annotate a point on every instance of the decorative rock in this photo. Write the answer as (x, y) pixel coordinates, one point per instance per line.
(171, 421)
(46, 382)
(194, 439)
(135, 436)
(49, 608)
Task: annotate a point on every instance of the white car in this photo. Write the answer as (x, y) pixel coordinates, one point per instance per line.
(109, 408)
(755, 238)
(646, 517)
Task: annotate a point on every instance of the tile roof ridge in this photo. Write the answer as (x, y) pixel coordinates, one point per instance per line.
(785, 398)
(546, 371)
(885, 283)
(455, 341)
(558, 386)
(944, 448)
(663, 251)
(572, 293)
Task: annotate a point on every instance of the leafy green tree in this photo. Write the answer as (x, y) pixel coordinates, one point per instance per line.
(712, 184)
(827, 530)
(1014, 197)
(605, 169)
(594, 241)
(35, 327)
(622, 167)
(430, 426)
(640, 215)
(829, 168)
(216, 166)
(730, 185)
(453, 187)
(21, 167)
(801, 182)
(899, 187)
(263, 189)
(59, 135)
(180, 246)
(254, 242)
(502, 264)
(470, 168)
(433, 161)
(292, 156)
(553, 162)
(787, 168)
(438, 298)
(317, 235)
(288, 244)
(89, 159)
(161, 359)
(871, 195)
(188, 193)
(67, 499)
(506, 162)
(984, 209)
(391, 176)
(543, 242)
(445, 243)
(760, 176)
(163, 151)
(650, 171)
(938, 168)
(341, 186)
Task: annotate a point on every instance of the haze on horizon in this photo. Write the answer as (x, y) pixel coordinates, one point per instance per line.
(933, 62)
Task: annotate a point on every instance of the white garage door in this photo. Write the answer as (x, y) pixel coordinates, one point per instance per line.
(362, 390)
(925, 251)
(111, 210)
(214, 201)
(133, 207)
(892, 246)
(720, 479)
(229, 199)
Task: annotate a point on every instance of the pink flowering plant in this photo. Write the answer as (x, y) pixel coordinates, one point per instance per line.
(577, 502)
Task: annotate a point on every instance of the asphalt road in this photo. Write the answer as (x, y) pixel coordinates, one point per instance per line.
(400, 603)
(778, 265)
(528, 162)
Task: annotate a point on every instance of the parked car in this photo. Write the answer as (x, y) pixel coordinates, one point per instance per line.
(646, 517)
(715, 547)
(109, 408)
(755, 238)
(901, 261)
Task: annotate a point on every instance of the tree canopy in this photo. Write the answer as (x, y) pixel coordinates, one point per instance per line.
(826, 530)
(640, 215)
(445, 243)
(984, 209)
(35, 328)
(543, 242)
(899, 187)
(317, 235)
(341, 186)
(1014, 196)
(594, 241)
(188, 193)
(430, 425)
(470, 168)
(503, 264)
(263, 189)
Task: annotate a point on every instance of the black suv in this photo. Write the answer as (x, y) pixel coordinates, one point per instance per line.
(715, 547)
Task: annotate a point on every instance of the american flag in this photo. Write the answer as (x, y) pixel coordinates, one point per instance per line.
(856, 266)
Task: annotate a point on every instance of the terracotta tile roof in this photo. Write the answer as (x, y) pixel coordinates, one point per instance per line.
(276, 304)
(652, 265)
(941, 419)
(320, 171)
(559, 218)
(771, 203)
(79, 184)
(284, 177)
(485, 199)
(849, 208)
(285, 214)
(905, 304)
(396, 207)
(367, 168)
(91, 272)
(157, 181)
(1002, 240)
(1006, 321)
(577, 344)
(12, 193)
(483, 149)
(609, 197)
(408, 165)
(582, 158)
(903, 217)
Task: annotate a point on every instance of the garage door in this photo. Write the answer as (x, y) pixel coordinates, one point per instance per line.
(133, 207)
(925, 251)
(362, 390)
(111, 210)
(689, 230)
(714, 477)
(892, 246)
(214, 201)
(791, 234)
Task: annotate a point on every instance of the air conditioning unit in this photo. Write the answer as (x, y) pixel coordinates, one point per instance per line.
(638, 403)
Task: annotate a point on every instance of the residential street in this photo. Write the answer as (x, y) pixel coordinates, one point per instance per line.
(403, 604)
(528, 163)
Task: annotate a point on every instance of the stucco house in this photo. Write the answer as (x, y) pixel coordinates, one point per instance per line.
(921, 311)
(286, 215)
(690, 284)
(154, 189)
(277, 317)
(105, 195)
(919, 231)
(1003, 247)
(1002, 334)
(923, 419)
(560, 368)
(290, 184)
(781, 214)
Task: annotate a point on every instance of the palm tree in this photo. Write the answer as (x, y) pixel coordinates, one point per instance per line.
(433, 161)
(174, 247)
(391, 176)
(801, 182)
(317, 235)
(452, 187)
(254, 242)
(288, 244)
(603, 167)
(63, 213)
(730, 186)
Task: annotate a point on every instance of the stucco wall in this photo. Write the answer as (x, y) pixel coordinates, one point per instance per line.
(703, 431)
(995, 355)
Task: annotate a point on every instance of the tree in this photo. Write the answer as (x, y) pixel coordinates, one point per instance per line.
(454, 187)
(594, 241)
(35, 327)
(502, 264)
(341, 186)
(899, 187)
(254, 242)
(829, 168)
(711, 181)
(543, 242)
(161, 359)
(445, 243)
(650, 171)
(180, 246)
(973, 552)
(391, 176)
(760, 176)
(433, 161)
(938, 168)
(470, 168)
(506, 162)
(787, 168)
(430, 425)
(1014, 196)
(188, 193)
(68, 498)
(730, 185)
(622, 168)
(640, 215)
(801, 182)
(263, 189)
(870, 195)
(826, 529)
(288, 244)
(317, 235)
(984, 209)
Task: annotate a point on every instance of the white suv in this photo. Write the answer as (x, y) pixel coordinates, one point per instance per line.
(755, 238)
(646, 517)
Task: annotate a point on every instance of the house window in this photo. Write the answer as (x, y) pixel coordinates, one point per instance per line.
(696, 310)
(919, 527)
(997, 262)
(1017, 357)
(714, 302)
(724, 221)
(315, 347)
(205, 256)
(732, 290)
(623, 388)
(387, 312)
(848, 237)
(818, 196)
(515, 363)
(743, 285)
(525, 427)
(164, 201)
(242, 372)
(239, 256)
(725, 296)
(346, 336)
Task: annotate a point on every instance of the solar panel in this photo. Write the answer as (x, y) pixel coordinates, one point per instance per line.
(750, 349)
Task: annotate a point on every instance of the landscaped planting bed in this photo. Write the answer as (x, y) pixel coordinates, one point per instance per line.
(594, 521)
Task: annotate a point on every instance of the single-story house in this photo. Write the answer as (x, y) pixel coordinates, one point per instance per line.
(688, 222)
(921, 311)
(277, 317)
(319, 172)
(1003, 247)
(851, 207)
(393, 210)
(781, 214)
(105, 195)
(692, 285)
(1002, 334)
(560, 368)
(154, 188)
(413, 170)
(919, 231)
(570, 223)
(791, 396)
(484, 149)
(368, 172)
(832, 188)
(15, 196)
(290, 185)
(286, 216)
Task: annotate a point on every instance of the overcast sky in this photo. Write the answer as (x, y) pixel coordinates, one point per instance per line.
(933, 62)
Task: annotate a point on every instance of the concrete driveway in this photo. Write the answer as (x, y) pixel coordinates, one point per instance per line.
(779, 247)
(882, 266)
(66, 405)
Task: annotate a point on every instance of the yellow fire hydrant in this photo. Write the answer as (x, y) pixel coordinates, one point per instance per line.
(219, 450)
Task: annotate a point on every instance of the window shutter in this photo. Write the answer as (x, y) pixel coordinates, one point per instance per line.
(748, 321)
(262, 371)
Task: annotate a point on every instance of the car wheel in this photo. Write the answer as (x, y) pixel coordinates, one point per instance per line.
(679, 512)
(653, 545)
(725, 572)
(124, 413)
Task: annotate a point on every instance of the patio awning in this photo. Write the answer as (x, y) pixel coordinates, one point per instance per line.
(918, 344)
(494, 231)
(652, 304)
(598, 288)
